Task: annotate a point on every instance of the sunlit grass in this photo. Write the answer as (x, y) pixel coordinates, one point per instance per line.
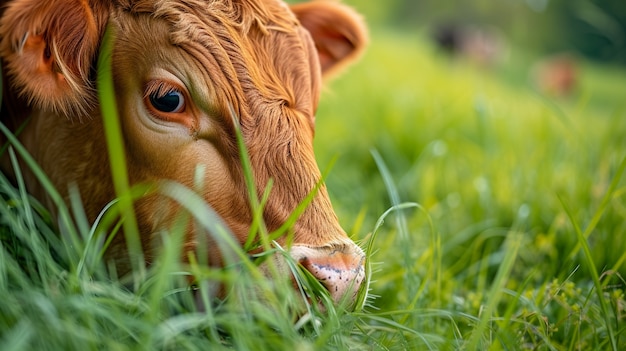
(492, 217)
(487, 159)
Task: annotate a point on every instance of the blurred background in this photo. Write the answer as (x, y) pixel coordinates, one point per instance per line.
(592, 29)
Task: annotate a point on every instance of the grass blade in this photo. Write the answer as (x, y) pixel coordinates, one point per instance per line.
(115, 147)
(588, 260)
(513, 243)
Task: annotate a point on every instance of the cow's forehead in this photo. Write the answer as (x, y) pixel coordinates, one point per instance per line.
(259, 46)
(242, 14)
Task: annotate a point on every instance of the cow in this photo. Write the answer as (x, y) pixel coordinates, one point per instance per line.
(482, 46)
(556, 75)
(187, 75)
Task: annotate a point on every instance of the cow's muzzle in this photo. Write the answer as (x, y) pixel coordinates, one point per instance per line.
(339, 267)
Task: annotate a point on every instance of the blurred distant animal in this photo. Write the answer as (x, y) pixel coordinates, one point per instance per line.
(556, 75)
(186, 73)
(482, 46)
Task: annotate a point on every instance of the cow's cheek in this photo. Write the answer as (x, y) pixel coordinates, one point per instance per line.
(172, 153)
(221, 191)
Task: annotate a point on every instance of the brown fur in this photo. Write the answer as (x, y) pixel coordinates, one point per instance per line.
(254, 56)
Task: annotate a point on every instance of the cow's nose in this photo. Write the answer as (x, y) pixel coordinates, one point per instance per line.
(340, 268)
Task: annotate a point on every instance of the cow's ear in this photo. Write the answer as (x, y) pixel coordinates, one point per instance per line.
(48, 48)
(339, 32)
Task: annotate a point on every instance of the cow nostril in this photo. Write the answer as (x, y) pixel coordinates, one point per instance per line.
(341, 273)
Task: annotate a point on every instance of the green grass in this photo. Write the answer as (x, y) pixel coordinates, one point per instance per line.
(504, 228)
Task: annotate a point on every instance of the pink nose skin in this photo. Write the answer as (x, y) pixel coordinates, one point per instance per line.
(340, 268)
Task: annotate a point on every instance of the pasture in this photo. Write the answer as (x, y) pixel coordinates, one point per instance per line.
(506, 230)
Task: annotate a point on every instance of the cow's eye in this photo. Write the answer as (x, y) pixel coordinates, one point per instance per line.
(171, 102)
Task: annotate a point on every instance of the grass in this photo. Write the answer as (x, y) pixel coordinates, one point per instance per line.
(494, 218)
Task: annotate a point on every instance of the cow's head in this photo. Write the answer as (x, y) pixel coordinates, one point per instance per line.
(182, 69)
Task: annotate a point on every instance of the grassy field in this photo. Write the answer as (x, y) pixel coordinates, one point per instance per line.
(507, 231)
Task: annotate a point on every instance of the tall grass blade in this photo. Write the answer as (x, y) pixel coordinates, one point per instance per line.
(362, 295)
(393, 193)
(512, 243)
(407, 242)
(248, 173)
(115, 147)
(606, 199)
(588, 260)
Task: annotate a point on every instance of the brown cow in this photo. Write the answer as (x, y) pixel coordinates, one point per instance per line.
(556, 76)
(180, 67)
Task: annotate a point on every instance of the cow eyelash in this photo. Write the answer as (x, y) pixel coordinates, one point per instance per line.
(160, 88)
(163, 99)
